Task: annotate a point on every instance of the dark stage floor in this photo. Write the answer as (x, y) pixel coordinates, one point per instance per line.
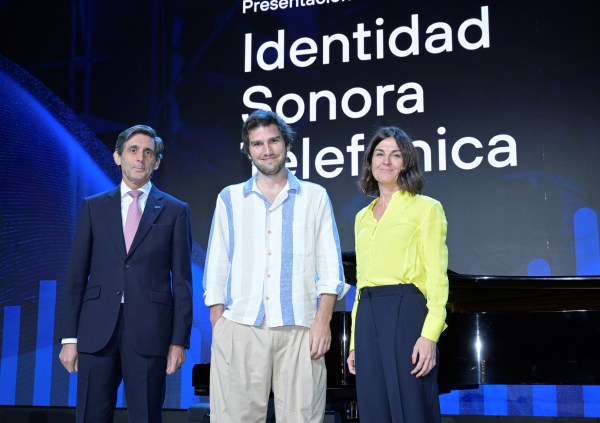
(67, 415)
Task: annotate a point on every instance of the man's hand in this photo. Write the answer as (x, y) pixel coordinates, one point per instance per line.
(320, 331)
(175, 358)
(319, 338)
(68, 357)
(216, 311)
(351, 363)
(424, 355)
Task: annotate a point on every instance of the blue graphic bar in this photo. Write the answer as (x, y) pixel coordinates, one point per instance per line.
(350, 297)
(45, 343)
(120, 395)
(587, 246)
(72, 389)
(495, 400)
(471, 401)
(524, 400)
(519, 400)
(591, 401)
(539, 267)
(449, 403)
(10, 354)
(569, 401)
(544, 400)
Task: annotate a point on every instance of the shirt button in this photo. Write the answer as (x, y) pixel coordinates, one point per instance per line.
(267, 298)
(127, 266)
(268, 275)
(118, 292)
(269, 232)
(270, 253)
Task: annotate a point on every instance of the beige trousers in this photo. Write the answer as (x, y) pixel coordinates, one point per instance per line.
(248, 362)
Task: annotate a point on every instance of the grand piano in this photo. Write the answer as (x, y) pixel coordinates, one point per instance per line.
(501, 330)
(521, 330)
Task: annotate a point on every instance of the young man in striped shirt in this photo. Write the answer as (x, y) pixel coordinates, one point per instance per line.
(273, 273)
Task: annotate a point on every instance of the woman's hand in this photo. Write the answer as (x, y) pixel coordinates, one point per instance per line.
(351, 363)
(424, 356)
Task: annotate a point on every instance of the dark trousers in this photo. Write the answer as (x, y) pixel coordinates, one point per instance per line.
(100, 374)
(389, 320)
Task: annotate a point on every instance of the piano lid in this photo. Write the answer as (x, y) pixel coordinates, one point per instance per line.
(472, 293)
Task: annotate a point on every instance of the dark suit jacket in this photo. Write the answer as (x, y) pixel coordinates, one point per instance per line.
(156, 275)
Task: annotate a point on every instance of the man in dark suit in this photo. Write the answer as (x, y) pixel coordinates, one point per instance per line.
(127, 311)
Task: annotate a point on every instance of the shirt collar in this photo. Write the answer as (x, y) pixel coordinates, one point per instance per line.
(401, 195)
(293, 184)
(145, 189)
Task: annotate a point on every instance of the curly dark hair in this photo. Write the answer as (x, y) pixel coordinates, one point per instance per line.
(265, 118)
(410, 178)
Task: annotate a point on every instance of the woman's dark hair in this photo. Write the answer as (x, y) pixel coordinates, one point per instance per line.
(410, 178)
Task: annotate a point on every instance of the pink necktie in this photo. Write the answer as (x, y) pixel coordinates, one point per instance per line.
(134, 215)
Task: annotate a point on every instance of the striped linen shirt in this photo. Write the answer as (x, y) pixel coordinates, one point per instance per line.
(274, 259)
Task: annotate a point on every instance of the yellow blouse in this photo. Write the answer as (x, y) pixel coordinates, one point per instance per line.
(407, 245)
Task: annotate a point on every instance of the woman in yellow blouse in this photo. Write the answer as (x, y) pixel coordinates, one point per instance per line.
(402, 287)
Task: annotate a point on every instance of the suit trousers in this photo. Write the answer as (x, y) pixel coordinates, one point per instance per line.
(389, 320)
(248, 361)
(100, 374)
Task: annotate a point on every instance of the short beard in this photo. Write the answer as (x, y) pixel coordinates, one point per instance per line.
(271, 171)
